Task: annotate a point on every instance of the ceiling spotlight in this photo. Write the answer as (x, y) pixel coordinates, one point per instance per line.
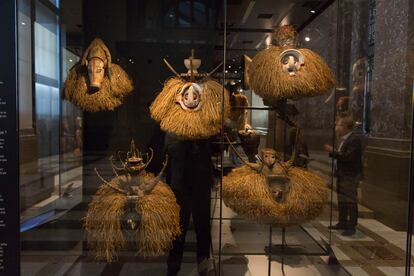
(70, 60)
(24, 23)
(229, 66)
(312, 11)
(235, 71)
(226, 71)
(307, 38)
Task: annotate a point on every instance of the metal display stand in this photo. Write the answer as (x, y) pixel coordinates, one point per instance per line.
(282, 250)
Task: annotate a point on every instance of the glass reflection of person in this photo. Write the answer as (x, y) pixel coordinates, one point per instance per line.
(78, 136)
(348, 168)
(296, 144)
(67, 138)
(358, 88)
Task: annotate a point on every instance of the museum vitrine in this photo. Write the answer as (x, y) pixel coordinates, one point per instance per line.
(196, 137)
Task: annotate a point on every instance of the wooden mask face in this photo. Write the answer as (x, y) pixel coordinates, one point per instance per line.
(96, 73)
(189, 97)
(268, 157)
(292, 60)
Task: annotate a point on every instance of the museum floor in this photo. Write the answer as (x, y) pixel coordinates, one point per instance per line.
(58, 248)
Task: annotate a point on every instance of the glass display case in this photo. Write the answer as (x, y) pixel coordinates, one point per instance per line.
(195, 137)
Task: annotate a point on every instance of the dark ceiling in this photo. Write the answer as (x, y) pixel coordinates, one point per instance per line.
(249, 22)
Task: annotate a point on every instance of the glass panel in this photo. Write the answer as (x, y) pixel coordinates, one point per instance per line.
(367, 91)
(71, 144)
(75, 186)
(39, 124)
(354, 39)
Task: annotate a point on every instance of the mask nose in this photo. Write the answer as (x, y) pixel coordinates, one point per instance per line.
(291, 65)
(96, 74)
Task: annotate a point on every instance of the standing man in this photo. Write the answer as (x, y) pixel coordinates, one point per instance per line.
(348, 169)
(190, 176)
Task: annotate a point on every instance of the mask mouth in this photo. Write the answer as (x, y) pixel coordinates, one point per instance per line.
(192, 105)
(93, 88)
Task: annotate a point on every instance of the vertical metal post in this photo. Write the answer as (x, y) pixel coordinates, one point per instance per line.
(222, 133)
(410, 195)
(283, 249)
(269, 267)
(338, 8)
(60, 75)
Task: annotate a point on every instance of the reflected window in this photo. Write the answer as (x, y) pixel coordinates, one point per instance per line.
(259, 118)
(187, 13)
(47, 103)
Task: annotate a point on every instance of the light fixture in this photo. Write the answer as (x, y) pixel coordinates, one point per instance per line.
(229, 66)
(235, 71)
(226, 71)
(70, 60)
(312, 11)
(307, 38)
(24, 23)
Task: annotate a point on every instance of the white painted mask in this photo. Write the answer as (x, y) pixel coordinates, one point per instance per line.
(189, 97)
(292, 60)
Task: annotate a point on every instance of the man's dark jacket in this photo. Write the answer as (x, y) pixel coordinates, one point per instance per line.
(349, 163)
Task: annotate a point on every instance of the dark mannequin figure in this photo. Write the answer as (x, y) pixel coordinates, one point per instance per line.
(190, 176)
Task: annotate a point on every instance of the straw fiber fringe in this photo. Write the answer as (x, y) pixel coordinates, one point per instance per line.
(190, 125)
(247, 193)
(109, 97)
(269, 81)
(159, 222)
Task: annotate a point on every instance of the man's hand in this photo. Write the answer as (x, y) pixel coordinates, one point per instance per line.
(328, 148)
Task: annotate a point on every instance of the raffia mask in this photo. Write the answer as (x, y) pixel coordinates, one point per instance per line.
(95, 83)
(96, 73)
(292, 60)
(189, 97)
